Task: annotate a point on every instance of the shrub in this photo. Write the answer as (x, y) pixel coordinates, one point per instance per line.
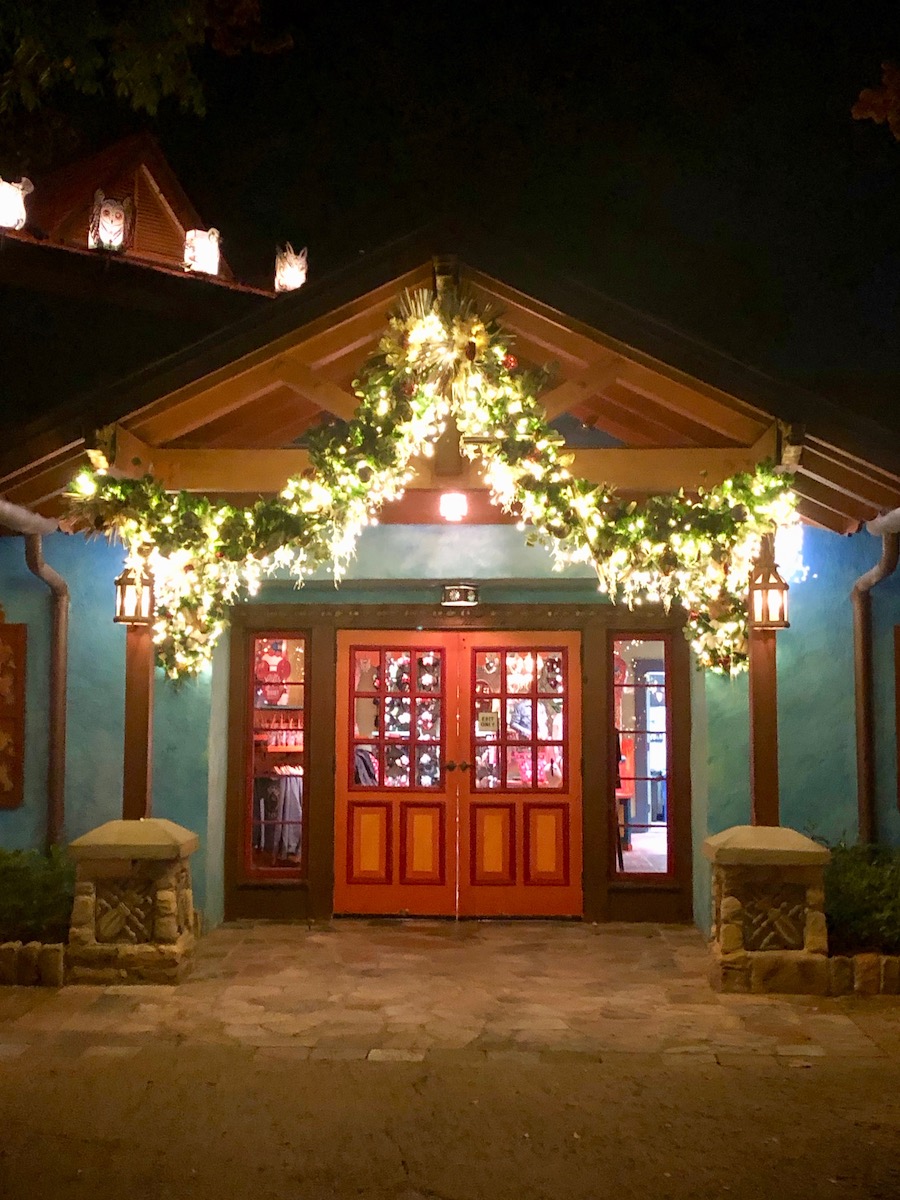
(36, 892)
(862, 899)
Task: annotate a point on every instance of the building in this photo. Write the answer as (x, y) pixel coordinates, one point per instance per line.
(367, 748)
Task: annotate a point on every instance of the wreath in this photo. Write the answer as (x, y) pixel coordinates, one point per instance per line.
(441, 358)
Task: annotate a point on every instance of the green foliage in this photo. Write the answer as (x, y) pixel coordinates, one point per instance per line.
(440, 361)
(862, 899)
(36, 892)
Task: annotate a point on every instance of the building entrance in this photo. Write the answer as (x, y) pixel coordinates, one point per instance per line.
(458, 773)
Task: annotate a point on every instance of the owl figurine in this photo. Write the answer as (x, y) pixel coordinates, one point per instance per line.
(112, 222)
(290, 268)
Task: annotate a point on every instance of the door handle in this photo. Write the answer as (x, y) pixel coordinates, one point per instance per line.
(464, 766)
(451, 766)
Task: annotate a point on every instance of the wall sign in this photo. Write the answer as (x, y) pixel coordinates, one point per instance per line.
(12, 713)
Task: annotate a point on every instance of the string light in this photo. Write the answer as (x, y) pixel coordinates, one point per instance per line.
(439, 358)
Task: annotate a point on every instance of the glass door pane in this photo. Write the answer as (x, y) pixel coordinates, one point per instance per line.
(642, 726)
(275, 824)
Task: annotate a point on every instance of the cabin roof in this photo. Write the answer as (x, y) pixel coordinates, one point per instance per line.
(663, 401)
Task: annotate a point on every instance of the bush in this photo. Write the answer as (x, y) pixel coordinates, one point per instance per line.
(36, 893)
(862, 899)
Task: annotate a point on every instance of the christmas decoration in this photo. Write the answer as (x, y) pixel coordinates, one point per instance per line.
(112, 222)
(12, 202)
(291, 268)
(440, 357)
(201, 251)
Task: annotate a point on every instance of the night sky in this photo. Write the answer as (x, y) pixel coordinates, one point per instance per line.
(696, 160)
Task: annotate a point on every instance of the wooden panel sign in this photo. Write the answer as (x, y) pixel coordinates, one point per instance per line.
(12, 714)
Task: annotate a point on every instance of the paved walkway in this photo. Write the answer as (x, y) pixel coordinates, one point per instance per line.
(474, 992)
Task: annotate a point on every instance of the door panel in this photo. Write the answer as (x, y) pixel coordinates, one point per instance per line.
(458, 782)
(396, 804)
(520, 799)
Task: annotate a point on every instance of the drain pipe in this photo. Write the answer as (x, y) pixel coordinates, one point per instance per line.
(887, 527)
(33, 527)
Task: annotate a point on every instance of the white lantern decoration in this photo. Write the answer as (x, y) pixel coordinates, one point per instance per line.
(201, 251)
(454, 506)
(112, 222)
(12, 202)
(291, 268)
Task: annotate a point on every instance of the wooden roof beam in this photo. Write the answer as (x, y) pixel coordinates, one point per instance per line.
(825, 518)
(829, 497)
(687, 402)
(224, 392)
(838, 473)
(578, 388)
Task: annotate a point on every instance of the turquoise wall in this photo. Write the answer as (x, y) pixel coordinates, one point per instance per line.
(816, 732)
(190, 763)
(96, 705)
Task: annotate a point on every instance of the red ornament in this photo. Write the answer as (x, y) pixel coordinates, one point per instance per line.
(510, 362)
(409, 387)
(471, 351)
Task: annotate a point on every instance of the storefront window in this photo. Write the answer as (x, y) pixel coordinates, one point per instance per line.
(642, 727)
(276, 826)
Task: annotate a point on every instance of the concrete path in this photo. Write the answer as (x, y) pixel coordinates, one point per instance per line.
(395, 991)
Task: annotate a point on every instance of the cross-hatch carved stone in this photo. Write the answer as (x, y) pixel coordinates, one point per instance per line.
(773, 917)
(124, 913)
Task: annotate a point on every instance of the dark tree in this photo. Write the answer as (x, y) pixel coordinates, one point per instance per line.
(60, 61)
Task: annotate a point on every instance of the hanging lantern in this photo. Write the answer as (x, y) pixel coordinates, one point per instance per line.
(112, 222)
(290, 268)
(459, 595)
(201, 251)
(12, 202)
(134, 598)
(768, 591)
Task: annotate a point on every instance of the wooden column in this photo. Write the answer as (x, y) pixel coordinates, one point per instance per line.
(764, 806)
(138, 761)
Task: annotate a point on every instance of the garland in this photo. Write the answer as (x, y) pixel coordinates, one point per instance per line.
(440, 359)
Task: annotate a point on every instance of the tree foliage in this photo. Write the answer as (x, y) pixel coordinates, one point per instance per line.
(882, 104)
(135, 53)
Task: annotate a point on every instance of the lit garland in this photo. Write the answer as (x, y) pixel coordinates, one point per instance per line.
(441, 358)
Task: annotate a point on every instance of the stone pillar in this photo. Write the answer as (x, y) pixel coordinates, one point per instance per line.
(133, 916)
(769, 932)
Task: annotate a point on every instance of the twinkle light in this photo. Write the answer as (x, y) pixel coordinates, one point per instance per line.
(434, 362)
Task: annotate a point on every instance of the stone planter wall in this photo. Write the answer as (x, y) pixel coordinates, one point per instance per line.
(32, 964)
(133, 917)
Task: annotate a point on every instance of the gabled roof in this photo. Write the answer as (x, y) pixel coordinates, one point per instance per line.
(59, 208)
(681, 410)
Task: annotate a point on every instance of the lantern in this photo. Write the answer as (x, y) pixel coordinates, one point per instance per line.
(454, 506)
(459, 595)
(12, 203)
(112, 222)
(134, 598)
(290, 268)
(201, 251)
(768, 591)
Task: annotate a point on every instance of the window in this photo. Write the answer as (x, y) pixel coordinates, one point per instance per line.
(641, 749)
(275, 825)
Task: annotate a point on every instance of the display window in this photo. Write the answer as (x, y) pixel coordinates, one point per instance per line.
(275, 812)
(642, 752)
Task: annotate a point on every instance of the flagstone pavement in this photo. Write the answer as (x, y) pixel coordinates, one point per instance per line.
(407, 991)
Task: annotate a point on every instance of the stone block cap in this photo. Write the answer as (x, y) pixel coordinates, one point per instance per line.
(150, 837)
(763, 845)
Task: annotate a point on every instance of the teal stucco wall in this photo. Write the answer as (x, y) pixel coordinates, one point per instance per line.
(816, 713)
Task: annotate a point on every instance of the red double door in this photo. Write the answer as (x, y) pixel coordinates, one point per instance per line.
(458, 787)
